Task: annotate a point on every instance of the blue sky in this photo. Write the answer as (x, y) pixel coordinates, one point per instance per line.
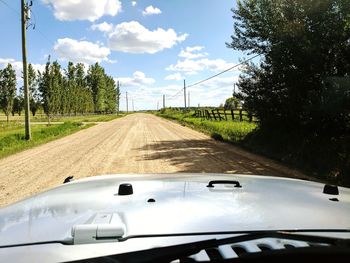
(149, 46)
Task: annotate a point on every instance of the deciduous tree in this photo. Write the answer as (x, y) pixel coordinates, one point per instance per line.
(7, 89)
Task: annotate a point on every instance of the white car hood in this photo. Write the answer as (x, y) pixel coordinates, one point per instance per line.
(183, 204)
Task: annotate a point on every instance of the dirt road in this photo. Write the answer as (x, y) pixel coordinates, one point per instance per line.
(137, 143)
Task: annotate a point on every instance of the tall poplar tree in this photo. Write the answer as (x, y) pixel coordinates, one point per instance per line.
(7, 89)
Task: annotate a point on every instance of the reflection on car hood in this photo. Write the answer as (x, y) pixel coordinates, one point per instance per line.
(183, 204)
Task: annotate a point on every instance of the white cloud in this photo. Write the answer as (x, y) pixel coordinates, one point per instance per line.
(103, 27)
(83, 9)
(192, 52)
(138, 79)
(175, 76)
(191, 66)
(150, 10)
(132, 37)
(133, 3)
(195, 61)
(210, 93)
(146, 95)
(18, 65)
(80, 51)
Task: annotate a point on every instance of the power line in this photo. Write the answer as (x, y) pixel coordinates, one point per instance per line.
(211, 77)
(40, 32)
(222, 72)
(176, 94)
(10, 7)
(34, 24)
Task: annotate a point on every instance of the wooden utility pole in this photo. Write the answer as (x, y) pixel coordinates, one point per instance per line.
(188, 100)
(24, 17)
(118, 97)
(127, 105)
(163, 101)
(185, 92)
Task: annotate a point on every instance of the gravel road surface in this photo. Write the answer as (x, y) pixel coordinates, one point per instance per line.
(137, 143)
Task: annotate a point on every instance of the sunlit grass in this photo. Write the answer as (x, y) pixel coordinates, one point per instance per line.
(12, 132)
(233, 131)
(12, 135)
(79, 118)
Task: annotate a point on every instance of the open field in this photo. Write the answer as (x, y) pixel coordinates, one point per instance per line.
(137, 143)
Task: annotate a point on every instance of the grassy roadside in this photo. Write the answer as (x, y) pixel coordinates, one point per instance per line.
(315, 158)
(231, 131)
(72, 118)
(86, 118)
(13, 141)
(12, 133)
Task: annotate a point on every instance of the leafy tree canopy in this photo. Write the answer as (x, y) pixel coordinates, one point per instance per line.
(305, 61)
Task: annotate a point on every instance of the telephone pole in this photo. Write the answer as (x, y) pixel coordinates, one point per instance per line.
(24, 17)
(118, 96)
(185, 92)
(188, 100)
(163, 101)
(127, 105)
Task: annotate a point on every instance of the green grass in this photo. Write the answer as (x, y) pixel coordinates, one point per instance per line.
(79, 118)
(323, 158)
(12, 135)
(86, 118)
(232, 131)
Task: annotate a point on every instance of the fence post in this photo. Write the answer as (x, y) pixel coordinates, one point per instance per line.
(233, 114)
(250, 116)
(240, 115)
(220, 115)
(213, 111)
(209, 115)
(206, 114)
(225, 115)
(217, 110)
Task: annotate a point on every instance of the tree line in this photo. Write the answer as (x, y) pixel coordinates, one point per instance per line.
(300, 87)
(60, 91)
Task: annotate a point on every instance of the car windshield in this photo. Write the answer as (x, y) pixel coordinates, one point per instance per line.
(232, 115)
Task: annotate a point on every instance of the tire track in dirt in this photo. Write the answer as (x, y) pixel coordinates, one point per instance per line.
(137, 143)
